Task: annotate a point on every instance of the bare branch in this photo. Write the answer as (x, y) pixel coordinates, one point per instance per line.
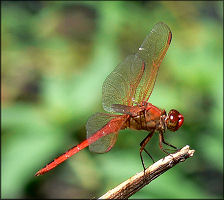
(138, 181)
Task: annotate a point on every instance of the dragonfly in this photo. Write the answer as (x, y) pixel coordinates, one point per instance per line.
(125, 95)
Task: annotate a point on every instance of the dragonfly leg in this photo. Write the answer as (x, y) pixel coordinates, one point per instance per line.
(143, 144)
(161, 140)
(149, 155)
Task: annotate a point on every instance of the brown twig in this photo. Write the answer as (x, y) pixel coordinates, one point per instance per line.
(138, 181)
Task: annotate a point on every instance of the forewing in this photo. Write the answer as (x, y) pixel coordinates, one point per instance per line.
(106, 126)
(133, 80)
(152, 52)
(120, 85)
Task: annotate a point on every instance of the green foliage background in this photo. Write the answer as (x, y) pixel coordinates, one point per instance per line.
(55, 57)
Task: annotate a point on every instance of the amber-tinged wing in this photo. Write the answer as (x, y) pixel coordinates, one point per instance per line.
(120, 85)
(152, 52)
(133, 80)
(107, 126)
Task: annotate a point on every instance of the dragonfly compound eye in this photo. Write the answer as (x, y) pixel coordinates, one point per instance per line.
(174, 120)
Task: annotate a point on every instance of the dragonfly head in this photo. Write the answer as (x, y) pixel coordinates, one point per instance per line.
(174, 120)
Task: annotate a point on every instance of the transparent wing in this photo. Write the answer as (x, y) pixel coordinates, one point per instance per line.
(133, 80)
(106, 126)
(120, 85)
(152, 52)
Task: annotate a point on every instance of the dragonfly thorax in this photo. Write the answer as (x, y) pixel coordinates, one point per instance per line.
(149, 118)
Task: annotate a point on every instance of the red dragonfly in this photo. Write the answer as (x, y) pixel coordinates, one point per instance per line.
(126, 90)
